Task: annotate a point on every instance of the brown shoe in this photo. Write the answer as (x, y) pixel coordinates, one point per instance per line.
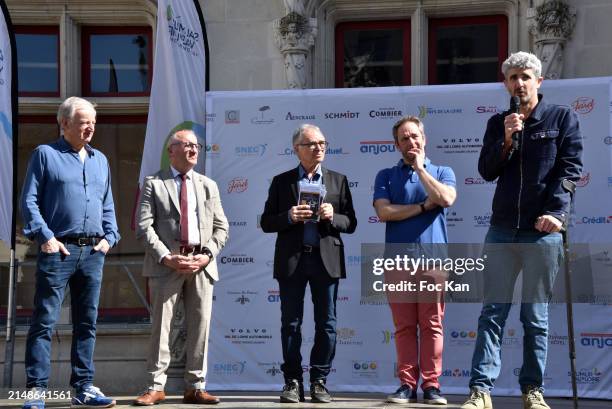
(198, 396)
(150, 397)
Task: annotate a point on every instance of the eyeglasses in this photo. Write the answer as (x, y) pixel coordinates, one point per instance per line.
(189, 146)
(86, 124)
(313, 145)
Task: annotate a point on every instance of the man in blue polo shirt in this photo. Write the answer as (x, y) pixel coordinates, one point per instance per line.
(67, 207)
(411, 198)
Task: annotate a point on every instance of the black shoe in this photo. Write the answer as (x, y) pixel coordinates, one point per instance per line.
(319, 393)
(404, 394)
(433, 396)
(293, 392)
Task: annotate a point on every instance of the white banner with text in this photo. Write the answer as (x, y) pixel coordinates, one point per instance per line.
(249, 142)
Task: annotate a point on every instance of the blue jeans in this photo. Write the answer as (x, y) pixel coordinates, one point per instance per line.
(82, 271)
(508, 252)
(324, 292)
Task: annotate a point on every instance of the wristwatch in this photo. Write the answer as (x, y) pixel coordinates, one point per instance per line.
(206, 250)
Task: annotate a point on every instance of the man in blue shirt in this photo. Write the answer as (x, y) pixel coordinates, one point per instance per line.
(411, 198)
(67, 207)
(530, 153)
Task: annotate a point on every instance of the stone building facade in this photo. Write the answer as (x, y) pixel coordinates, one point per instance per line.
(261, 45)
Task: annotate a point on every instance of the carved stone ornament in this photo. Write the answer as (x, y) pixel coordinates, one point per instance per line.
(555, 19)
(294, 35)
(552, 23)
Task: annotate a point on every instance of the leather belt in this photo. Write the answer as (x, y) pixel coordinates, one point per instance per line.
(309, 249)
(80, 241)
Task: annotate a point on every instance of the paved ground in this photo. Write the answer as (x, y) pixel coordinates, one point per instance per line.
(235, 400)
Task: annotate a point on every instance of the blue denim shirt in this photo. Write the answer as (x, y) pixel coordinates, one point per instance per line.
(63, 196)
(401, 185)
(529, 180)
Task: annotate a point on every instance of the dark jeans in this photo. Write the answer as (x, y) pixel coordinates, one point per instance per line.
(538, 256)
(82, 271)
(324, 291)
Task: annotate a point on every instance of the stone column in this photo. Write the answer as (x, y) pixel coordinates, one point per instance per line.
(551, 23)
(294, 35)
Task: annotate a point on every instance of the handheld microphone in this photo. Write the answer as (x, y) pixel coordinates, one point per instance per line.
(515, 107)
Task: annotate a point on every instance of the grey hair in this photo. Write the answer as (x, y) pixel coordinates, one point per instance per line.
(70, 105)
(522, 60)
(173, 138)
(403, 120)
(299, 132)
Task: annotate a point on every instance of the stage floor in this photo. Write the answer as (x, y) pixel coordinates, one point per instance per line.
(231, 400)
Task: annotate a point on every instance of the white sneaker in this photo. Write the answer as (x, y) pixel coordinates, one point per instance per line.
(478, 400)
(35, 398)
(91, 397)
(534, 399)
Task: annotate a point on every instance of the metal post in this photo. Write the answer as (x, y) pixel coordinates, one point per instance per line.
(570, 187)
(9, 349)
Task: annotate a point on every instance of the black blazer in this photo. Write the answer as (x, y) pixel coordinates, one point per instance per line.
(283, 194)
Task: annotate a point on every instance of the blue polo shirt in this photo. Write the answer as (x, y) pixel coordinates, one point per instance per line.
(401, 185)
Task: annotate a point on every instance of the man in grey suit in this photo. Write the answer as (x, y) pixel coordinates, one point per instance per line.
(183, 228)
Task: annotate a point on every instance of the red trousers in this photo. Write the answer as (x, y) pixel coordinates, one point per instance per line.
(419, 338)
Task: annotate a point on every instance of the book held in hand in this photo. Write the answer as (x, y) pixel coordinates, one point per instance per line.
(312, 195)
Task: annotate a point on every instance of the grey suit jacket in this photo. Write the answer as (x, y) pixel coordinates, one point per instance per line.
(158, 220)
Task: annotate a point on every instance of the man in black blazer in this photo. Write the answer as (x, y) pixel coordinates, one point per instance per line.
(308, 252)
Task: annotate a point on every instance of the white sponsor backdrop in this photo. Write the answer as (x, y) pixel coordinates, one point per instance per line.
(249, 141)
